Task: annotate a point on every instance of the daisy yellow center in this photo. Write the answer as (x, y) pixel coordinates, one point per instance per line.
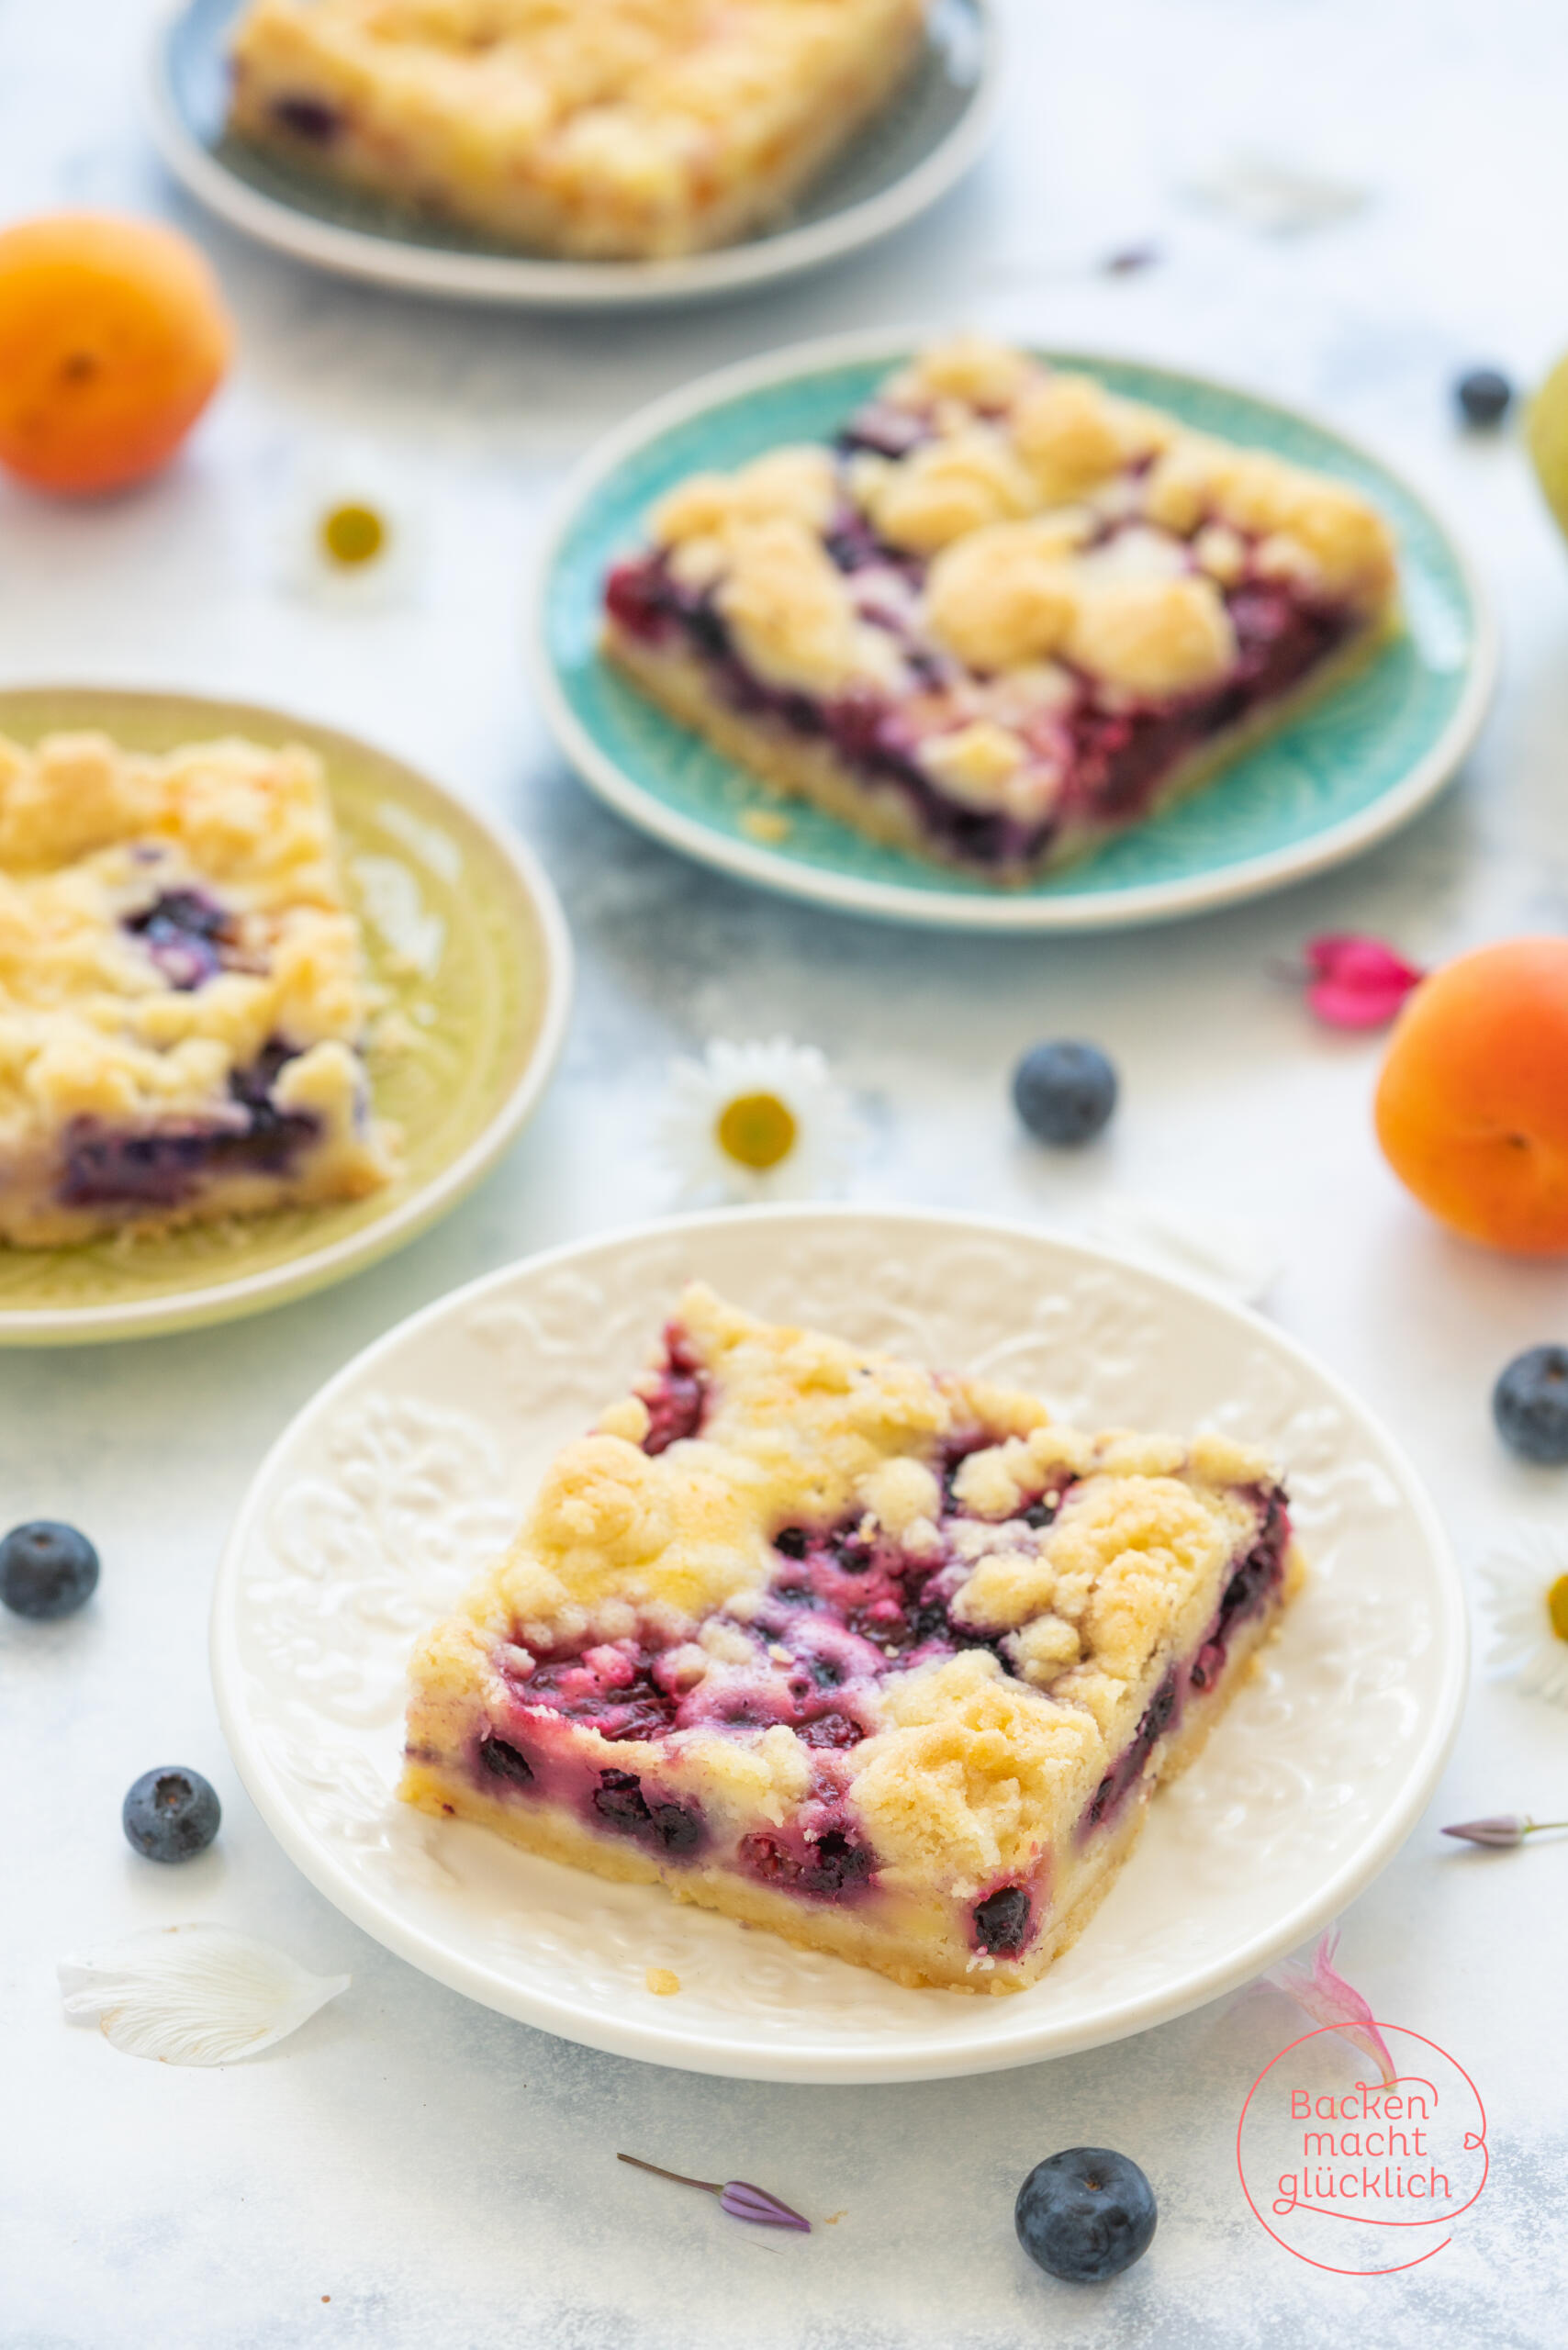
(1557, 1607)
(757, 1130)
(352, 534)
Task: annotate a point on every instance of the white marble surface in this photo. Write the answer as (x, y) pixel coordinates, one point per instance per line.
(446, 2177)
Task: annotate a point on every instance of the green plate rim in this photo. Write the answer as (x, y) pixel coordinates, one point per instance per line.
(313, 1268)
(1007, 912)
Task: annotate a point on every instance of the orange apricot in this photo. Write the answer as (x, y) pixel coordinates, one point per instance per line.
(1473, 1102)
(113, 338)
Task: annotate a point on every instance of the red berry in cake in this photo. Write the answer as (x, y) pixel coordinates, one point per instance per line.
(46, 1569)
(1085, 2214)
(1065, 1093)
(171, 1815)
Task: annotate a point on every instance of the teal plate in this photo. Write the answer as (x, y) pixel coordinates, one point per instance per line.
(1348, 772)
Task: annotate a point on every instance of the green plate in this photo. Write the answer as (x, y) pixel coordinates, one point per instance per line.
(1350, 769)
(462, 932)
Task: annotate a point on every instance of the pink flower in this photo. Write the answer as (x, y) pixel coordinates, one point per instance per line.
(1357, 982)
(1327, 1998)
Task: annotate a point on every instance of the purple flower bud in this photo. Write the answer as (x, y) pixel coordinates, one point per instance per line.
(743, 2202)
(1506, 1830)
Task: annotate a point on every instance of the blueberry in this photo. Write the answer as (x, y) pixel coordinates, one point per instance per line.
(1085, 2214)
(171, 1815)
(1064, 1092)
(46, 1569)
(1484, 397)
(1530, 1405)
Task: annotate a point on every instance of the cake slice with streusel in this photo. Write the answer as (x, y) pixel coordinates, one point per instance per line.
(183, 1000)
(604, 130)
(884, 1659)
(1005, 616)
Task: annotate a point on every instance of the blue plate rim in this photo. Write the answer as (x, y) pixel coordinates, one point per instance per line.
(526, 282)
(1132, 907)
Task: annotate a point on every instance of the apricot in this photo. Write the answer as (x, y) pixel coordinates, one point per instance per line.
(113, 338)
(1473, 1102)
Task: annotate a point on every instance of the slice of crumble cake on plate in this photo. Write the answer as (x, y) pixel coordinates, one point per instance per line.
(602, 129)
(884, 1659)
(183, 998)
(1007, 616)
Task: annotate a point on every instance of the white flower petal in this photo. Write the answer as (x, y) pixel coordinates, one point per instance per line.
(326, 484)
(1517, 1575)
(827, 1132)
(194, 1995)
(1224, 1254)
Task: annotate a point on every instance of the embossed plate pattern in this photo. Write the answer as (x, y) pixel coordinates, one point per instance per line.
(469, 948)
(407, 1472)
(901, 163)
(1352, 767)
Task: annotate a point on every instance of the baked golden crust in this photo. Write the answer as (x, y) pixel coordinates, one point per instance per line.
(1017, 1596)
(108, 1027)
(604, 129)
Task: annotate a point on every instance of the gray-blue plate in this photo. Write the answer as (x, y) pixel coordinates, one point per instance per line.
(912, 155)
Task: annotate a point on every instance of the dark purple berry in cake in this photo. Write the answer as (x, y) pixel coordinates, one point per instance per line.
(171, 1815)
(1003, 1922)
(1529, 1403)
(504, 1762)
(1065, 1093)
(1485, 396)
(46, 1569)
(1085, 2214)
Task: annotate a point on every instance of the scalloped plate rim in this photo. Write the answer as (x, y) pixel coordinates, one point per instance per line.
(527, 282)
(301, 1275)
(1139, 904)
(732, 2055)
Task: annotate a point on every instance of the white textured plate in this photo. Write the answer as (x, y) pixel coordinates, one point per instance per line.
(900, 165)
(407, 1472)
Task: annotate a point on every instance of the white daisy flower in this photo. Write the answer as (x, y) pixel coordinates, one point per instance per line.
(1528, 1581)
(349, 533)
(758, 1122)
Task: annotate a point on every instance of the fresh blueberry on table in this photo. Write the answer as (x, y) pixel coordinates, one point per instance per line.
(171, 1815)
(1064, 1091)
(1485, 396)
(1530, 1405)
(1085, 2214)
(46, 1569)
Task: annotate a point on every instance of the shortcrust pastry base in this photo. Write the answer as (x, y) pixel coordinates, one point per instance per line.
(680, 682)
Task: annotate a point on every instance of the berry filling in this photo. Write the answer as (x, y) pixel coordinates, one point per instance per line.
(165, 1166)
(844, 1608)
(676, 1395)
(308, 118)
(1112, 761)
(185, 932)
(1247, 1591)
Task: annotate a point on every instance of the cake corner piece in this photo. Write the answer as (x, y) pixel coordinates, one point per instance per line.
(885, 1661)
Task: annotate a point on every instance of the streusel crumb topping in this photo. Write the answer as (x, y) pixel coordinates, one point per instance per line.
(1066, 1563)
